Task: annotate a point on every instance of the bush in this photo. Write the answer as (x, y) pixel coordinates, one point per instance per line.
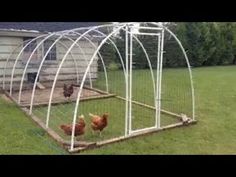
(113, 66)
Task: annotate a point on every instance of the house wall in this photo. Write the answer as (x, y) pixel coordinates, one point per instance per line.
(47, 74)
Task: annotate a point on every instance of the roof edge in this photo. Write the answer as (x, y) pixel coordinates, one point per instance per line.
(19, 33)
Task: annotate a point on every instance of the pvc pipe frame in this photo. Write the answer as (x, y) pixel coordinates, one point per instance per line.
(29, 59)
(8, 58)
(89, 29)
(17, 58)
(82, 83)
(41, 64)
(188, 64)
(32, 96)
(33, 92)
(122, 63)
(157, 121)
(13, 70)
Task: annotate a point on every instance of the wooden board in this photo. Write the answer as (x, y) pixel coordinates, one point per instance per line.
(40, 86)
(122, 138)
(81, 146)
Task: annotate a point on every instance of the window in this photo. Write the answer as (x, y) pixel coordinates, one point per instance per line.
(31, 46)
(52, 54)
(29, 49)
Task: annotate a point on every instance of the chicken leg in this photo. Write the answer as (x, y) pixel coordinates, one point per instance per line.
(100, 134)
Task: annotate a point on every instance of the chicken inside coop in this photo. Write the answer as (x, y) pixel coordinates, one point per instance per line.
(68, 91)
(98, 123)
(79, 127)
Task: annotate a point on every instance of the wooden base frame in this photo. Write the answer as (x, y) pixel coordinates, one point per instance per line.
(82, 146)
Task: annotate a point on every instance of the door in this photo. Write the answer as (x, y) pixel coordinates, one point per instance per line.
(144, 71)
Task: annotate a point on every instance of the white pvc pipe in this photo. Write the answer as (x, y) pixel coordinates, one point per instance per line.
(27, 63)
(52, 90)
(53, 87)
(82, 83)
(149, 64)
(83, 53)
(146, 34)
(5, 67)
(41, 64)
(147, 27)
(72, 56)
(130, 80)
(190, 74)
(29, 59)
(188, 64)
(59, 68)
(126, 85)
(157, 85)
(40, 67)
(103, 64)
(83, 28)
(90, 29)
(160, 80)
(17, 58)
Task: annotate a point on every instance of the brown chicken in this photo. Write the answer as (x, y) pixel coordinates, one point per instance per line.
(67, 92)
(79, 127)
(98, 123)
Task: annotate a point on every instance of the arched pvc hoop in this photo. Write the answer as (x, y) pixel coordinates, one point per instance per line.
(53, 87)
(122, 63)
(8, 58)
(28, 61)
(82, 83)
(40, 67)
(17, 58)
(84, 56)
(42, 62)
(149, 64)
(31, 57)
(59, 68)
(99, 54)
(72, 56)
(188, 64)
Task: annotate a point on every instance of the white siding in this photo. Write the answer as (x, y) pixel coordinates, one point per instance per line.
(68, 71)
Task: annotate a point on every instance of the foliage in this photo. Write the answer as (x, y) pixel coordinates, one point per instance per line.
(206, 44)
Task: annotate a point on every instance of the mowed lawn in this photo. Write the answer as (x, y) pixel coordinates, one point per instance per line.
(215, 132)
(19, 135)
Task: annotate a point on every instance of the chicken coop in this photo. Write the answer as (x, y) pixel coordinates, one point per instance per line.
(92, 86)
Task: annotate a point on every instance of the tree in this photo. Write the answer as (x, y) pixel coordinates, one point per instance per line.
(226, 43)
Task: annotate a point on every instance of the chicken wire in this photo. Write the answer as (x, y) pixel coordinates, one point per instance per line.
(131, 87)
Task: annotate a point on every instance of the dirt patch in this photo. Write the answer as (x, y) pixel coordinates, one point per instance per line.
(42, 96)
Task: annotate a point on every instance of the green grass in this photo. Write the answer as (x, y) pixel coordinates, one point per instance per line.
(141, 117)
(116, 109)
(214, 133)
(19, 135)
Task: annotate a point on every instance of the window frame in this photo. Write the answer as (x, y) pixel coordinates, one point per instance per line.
(52, 55)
